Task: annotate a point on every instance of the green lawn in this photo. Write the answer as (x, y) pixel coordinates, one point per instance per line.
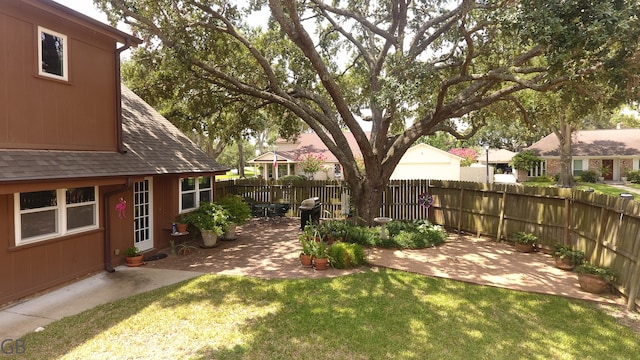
(377, 314)
(599, 188)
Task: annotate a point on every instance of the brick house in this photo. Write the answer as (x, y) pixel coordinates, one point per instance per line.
(617, 150)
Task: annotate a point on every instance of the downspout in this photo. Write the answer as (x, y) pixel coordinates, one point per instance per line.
(119, 141)
(107, 227)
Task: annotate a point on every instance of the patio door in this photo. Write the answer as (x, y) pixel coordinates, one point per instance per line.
(142, 216)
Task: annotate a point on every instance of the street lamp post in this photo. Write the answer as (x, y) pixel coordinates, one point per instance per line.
(486, 151)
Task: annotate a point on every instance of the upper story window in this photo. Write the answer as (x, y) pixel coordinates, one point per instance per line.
(194, 191)
(52, 54)
(43, 215)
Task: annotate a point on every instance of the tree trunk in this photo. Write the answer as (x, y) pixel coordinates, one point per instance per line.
(240, 158)
(366, 196)
(563, 132)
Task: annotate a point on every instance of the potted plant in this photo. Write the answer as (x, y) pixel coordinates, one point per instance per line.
(184, 248)
(211, 219)
(566, 257)
(524, 241)
(594, 279)
(239, 213)
(181, 224)
(306, 253)
(133, 256)
(320, 255)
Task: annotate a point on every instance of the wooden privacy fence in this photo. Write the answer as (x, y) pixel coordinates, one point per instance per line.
(606, 228)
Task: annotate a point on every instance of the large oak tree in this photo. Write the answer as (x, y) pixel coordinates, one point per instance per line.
(410, 68)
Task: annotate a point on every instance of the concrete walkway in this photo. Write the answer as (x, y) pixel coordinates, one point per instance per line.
(270, 250)
(102, 288)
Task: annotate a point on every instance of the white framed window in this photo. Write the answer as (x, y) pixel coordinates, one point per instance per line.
(44, 215)
(578, 167)
(193, 191)
(53, 54)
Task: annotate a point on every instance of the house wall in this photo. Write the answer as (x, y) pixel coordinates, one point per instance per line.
(39, 266)
(424, 162)
(42, 113)
(553, 167)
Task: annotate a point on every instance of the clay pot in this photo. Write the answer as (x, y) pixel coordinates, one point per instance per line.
(181, 228)
(305, 260)
(321, 263)
(592, 283)
(525, 248)
(133, 261)
(565, 264)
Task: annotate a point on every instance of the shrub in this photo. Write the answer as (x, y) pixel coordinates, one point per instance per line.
(607, 274)
(402, 234)
(634, 176)
(525, 238)
(588, 176)
(292, 178)
(344, 255)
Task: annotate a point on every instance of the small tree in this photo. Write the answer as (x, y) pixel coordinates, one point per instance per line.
(525, 160)
(469, 155)
(311, 164)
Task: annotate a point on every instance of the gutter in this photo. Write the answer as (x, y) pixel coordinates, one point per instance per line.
(107, 227)
(119, 140)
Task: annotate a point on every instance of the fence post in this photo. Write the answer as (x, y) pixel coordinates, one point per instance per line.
(567, 221)
(503, 205)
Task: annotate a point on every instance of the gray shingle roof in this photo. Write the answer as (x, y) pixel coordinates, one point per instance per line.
(154, 146)
(609, 142)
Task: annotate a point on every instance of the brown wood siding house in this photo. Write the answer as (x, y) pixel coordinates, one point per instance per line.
(74, 144)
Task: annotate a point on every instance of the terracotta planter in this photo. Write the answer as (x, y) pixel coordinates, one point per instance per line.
(209, 238)
(133, 261)
(181, 228)
(592, 283)
(305, 260)
(525, 248)
(230, 234)
(565, 264)
(321, 263)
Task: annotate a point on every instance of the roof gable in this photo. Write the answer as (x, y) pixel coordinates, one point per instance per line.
(608, 142)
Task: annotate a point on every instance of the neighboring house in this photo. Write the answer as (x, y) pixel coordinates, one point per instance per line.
(423, 161)
(87, 169)
(615, 149)
(419, 162)
(289, 154)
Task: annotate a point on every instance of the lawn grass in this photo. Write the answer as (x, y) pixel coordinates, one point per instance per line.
(598, 188)
(377, 314)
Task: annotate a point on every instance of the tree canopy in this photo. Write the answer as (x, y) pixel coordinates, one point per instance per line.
(410, 68)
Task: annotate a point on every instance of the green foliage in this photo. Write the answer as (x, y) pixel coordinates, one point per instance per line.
(524, 238)
(320, 249)
(524, 160)
(292, 178)
(238, 209)
(131, 251)
(607, 274)
(588, 176)
(345, 255)
(634, 176)
(544, 178)
(209, 216)
(307, 243)
(404, 235)
(564, 252)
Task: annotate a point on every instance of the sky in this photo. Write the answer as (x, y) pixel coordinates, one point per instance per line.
(85, 7)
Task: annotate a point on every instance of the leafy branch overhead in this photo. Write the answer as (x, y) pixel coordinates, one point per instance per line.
(409, 68)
